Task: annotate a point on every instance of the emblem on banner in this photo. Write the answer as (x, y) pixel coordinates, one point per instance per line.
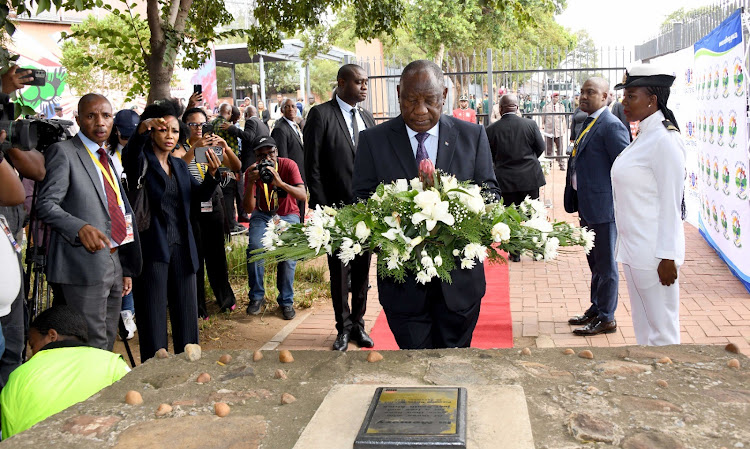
(688, 77)
(716, 81)
(711, 127)
(732, 128)
(706, 211)
(716, 173)
(736, 231)
(708, 171)
(720, 129)
(707, 84)
(723, 218)
(725, 79)
(738, 78)
(690, 130)
(740, 180)
(705, 127)
(725, 177)
(714, 216)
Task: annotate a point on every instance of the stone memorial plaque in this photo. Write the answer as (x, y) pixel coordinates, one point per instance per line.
(416, 418)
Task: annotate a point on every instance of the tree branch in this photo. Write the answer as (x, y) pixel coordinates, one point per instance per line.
(137, 34)
(154, 25)
(174, 7)
(181, 17)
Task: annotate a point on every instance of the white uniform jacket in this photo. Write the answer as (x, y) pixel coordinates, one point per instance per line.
(647, 186)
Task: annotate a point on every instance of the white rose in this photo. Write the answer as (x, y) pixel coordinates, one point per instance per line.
(416, 184)
(500, 232)
(362, 231)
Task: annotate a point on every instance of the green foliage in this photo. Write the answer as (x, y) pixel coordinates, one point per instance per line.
(323, 78)
(245, 76)
(282, 77)
(107, 53)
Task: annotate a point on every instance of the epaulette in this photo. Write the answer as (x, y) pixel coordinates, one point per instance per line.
(669, 125)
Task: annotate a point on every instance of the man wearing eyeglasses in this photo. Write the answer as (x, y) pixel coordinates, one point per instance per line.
(273, 188)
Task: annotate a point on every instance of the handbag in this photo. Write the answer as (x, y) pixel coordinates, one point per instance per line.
(141, 205)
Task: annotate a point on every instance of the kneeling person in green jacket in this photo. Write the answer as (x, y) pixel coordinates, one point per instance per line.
(63, 371)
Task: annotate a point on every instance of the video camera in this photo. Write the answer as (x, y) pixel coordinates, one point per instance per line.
(31, 134)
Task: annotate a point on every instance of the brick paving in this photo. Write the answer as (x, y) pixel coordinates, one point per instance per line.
(715, 307)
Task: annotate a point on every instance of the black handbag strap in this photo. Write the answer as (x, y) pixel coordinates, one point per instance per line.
(140, 184)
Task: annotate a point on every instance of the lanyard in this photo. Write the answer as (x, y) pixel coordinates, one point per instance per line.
(107, 175)
(578, 140)
(200, 170)
(274, 195)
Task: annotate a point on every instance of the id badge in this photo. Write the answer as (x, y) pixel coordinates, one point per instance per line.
(129, 237)
(6, 230)
(207, 206)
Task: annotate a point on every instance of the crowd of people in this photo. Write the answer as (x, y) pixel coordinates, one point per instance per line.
(138, 206)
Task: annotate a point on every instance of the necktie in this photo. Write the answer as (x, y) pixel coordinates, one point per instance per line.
(115, 213)
(421, 150)
(355, 128)
(299, 131)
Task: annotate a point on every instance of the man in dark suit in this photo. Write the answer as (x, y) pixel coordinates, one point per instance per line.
(288, 136)
(588, 190)
(331, 136)
(516, 144)
(254, 128)
(438, 314)
(93, 248)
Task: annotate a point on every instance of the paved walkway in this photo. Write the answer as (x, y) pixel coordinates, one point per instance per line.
(715, 307)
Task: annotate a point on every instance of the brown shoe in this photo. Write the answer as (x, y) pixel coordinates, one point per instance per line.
(597, 327)
(581, 320)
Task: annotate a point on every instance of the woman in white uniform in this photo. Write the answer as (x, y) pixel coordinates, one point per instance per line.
(647, 185)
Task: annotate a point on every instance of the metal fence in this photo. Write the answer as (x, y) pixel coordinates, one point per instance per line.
(696, 25)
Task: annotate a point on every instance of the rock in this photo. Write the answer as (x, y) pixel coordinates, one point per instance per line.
(279, 374)
(192, 352)
(544, 371)
(221, 409)
(592, 390)
(662, 383)
(618, 368)
(664, 360)
(163, 409)
(196, 432)
(651, 440)
(87, 425)
(633, 403)
(257, 355)
(162, 354)
(285, 356)
(569, 351)
(203, 378)
(287, 398)
(242, 371)
(525, 351)
(374, 356)
(544, 341)
(734, 363)
(225, 359)
(588, 428)
(731, 347)
(586, 354)
(132, 397)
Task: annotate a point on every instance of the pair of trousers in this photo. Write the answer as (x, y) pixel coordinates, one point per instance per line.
(99, 304)
(554, 148)
(655, 307)
(231, 195)
(166, 286)
(256, 270)
(359, 271)
(604, 274)
(208, 231)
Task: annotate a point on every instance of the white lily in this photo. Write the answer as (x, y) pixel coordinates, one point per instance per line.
(432, 210)
(362, 231)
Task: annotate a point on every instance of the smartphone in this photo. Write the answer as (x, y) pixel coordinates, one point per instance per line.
(200, 154)
(38, 77)
(197, 88)
(207, 129)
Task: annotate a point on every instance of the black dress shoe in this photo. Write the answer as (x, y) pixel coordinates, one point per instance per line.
(361, 338)
(342, 342)
(597, 327)
(581, 320)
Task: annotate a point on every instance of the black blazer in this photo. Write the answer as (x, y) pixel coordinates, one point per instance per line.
(329, 154)
(516, 144)
(154, 240)
(289, 144)
(253, 128)
(385, 155)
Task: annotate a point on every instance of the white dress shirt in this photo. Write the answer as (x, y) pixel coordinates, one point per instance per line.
(346, 110)
(647, 187)
(430, 144)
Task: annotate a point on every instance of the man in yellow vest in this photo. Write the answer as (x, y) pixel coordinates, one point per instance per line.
(62, 371)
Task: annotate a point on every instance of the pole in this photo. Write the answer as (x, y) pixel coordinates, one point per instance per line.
(262, 81)
(490, 92)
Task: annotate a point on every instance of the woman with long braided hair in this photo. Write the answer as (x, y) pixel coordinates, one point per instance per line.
(647, 185)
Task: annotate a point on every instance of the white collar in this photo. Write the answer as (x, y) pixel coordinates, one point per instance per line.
(651, 120)
(434, 131)
(292, 123)
(598, 112)
(346, 107)
(92, 146)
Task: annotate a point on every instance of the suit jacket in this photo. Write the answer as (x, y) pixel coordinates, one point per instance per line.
(592, 163)
(289, 144)
(265, 116)
(70, 197)
(254, 128)
(385, 154)
(516, 145)
(155, 246)
(329, 154)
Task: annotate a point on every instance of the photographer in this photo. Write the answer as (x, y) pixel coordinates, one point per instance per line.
(30, 165)
(273, 186)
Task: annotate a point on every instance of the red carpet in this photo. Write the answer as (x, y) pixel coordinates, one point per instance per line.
(495, 326)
